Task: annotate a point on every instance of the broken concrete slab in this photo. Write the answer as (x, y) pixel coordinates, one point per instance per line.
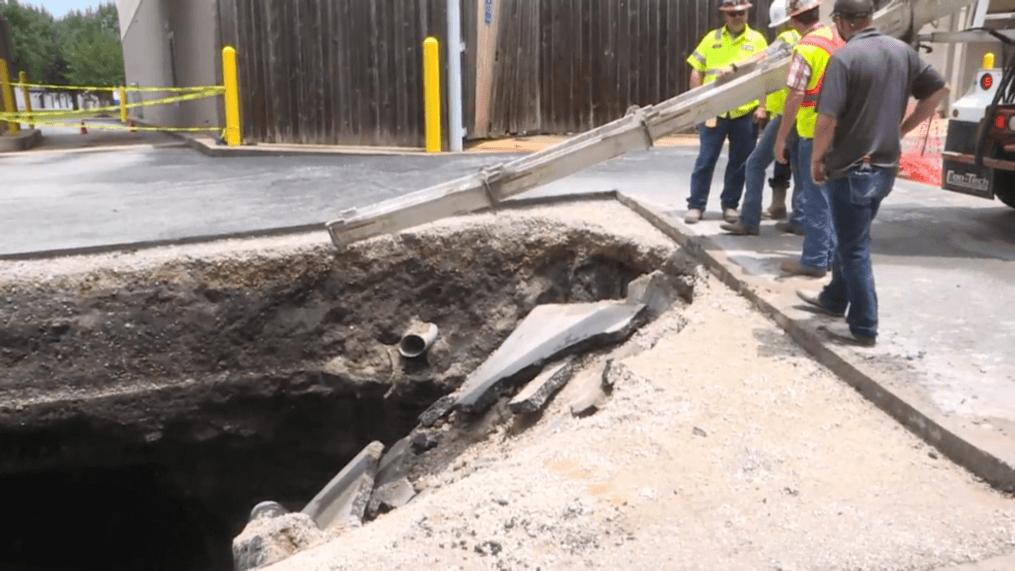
(537, 393)
(438, 410)
(268, 540)
(422, 441)
(390, 496)
(657, 290)
(549, 331)
(590, 389)
(395, 462)
(343, 500)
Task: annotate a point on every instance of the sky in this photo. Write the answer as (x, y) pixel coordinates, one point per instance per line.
(59, 8)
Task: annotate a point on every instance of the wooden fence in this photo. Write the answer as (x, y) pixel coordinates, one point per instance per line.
(349, 71)
(566, 66)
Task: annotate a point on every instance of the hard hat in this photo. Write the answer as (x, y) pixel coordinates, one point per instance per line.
(777, 14)
(794, 7)
(853, 8)
(734, 5)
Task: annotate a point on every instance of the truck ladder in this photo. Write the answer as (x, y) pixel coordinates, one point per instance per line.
(636, 131)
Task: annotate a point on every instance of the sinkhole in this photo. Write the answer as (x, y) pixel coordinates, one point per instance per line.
(149, 400)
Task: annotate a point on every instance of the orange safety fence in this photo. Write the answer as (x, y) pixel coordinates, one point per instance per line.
(921, 151)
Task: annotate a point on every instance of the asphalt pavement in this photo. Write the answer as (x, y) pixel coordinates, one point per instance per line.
(944, 263)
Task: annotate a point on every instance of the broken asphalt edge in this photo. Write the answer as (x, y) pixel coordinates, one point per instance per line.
(275, 232)
(23, 141)
(983, 458)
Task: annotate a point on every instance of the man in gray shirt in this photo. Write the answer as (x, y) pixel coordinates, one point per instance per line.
(856, 148)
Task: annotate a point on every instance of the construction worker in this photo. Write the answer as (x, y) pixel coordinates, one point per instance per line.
(811, 208)
(861, 117)
(763, 155)
(735, 41)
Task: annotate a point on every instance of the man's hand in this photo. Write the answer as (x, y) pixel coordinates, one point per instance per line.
(760, 115)
(780, 151)
(818, 171)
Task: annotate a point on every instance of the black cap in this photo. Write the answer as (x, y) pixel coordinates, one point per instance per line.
(853, 8)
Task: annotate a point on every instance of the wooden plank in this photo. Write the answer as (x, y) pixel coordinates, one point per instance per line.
(399, 49)
(386, 125)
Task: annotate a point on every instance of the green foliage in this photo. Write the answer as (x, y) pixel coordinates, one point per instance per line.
(79, 49)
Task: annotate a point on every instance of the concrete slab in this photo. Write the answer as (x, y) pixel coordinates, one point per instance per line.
(390, 496)
(970, 418)
(547, 332)
(656, 290)
(343, 501)
(23, 141)
(534, 396)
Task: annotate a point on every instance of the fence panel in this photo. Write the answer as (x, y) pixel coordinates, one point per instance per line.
(332, 71)
(590, 60)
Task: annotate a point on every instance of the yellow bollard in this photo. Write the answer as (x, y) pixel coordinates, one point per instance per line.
(232, 96)
(23, 79)
(123, 105)
(432, 94)
(8, 95)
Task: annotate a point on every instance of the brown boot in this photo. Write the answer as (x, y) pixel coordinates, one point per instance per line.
(777, 210)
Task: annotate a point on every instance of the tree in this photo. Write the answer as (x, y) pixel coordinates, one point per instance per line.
(79, 49)
(34, 41)
(91, 47)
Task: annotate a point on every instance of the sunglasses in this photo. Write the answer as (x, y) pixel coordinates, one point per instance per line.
(737, 14)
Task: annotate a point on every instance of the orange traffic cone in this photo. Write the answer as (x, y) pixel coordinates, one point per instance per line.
(84, 130)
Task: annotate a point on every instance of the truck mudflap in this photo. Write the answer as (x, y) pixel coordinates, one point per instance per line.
(960, 173)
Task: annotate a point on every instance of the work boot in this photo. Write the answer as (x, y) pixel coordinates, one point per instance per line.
(777, 210)
(693, 216)
(730, 215)
(739, 229)
(788, 227)
(842, 334)
(795, 268)
(815, 304)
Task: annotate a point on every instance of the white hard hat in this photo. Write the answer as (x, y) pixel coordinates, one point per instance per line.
(777, 14)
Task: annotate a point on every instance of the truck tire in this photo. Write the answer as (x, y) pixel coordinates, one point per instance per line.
(1004, 187)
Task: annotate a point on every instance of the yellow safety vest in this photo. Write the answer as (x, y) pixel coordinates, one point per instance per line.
(717, 50)
(776, 102)
(816, 48)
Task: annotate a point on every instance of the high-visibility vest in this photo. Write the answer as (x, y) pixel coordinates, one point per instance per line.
(817, 48)
(717, 50)
(776, 102)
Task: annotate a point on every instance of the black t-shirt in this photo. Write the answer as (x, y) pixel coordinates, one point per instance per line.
(866, 87)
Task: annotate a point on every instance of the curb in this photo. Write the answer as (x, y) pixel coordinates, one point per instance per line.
(984, 457)
(20, 142)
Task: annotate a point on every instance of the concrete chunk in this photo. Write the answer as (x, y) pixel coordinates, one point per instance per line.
(547, 332)
(537, 393)
(390, 496)
(343, 500)
(268, 540)
(438, 410)
(657, 290)
(590, 392)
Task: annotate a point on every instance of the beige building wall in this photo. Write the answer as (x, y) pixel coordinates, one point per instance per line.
(174, 43)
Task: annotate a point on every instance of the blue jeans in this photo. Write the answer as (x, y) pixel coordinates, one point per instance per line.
(796, 218)
(742, 133)
(819, 233)
(762, 156)
(855, 202)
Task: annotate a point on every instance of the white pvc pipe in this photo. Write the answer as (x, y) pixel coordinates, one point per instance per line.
(417, 340)
(456, 134)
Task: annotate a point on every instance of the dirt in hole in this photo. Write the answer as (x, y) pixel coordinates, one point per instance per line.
(208, 378)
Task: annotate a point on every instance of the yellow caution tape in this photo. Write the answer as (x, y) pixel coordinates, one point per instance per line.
(110, 127)
(219, 88)
(42, 114)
